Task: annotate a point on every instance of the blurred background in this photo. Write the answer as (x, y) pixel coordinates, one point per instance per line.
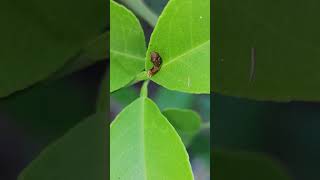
(35, 117)
(286, 132)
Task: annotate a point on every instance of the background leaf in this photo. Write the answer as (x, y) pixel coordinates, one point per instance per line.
(182, 38)
(186, 122)
(127, 46)
(80, 154)
(43, 36)
(286, 44)
(71, 99)
(245, 166)
(98, 49)
(95, 51)
(140, 135)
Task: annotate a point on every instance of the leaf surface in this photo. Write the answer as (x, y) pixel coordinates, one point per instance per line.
(127, 46)
(39, 37)
(80, 154)
(182, 38)
(145, 146)
(186, 122)
(286, 44)
(244, 166)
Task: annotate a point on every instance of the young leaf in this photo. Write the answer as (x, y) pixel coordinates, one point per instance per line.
(127, 46)
(267, 56)
(145, 146)
(80, 154)
(182, 38)
(244, 166)
(39, 37)
(186, 122)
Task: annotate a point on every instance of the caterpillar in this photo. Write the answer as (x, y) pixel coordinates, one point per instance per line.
(156, 61)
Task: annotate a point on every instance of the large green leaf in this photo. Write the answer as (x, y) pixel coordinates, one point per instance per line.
(182, 38)
(246, 166)
(145, 146)
(127, 47)
(186, 122)
(40, 36)
(95, 51)
(81, 154)
(286, 44)
(98, 49)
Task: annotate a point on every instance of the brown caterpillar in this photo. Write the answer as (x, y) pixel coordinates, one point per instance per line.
(156, 60)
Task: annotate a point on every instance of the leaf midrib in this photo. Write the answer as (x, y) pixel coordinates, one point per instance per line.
(143, 139)
(177, 58)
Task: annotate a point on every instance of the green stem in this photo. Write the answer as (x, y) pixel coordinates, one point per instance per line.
(144, 89)
(140, 77)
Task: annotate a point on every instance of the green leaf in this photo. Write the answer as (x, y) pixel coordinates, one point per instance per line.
(39, 37)
(185, 121)
(93, 52)
(80, 154)
(286, 49)
(144, 89)
(244, 166)
(182, 38)
(98, 48)
(145, 146)
(127, 47)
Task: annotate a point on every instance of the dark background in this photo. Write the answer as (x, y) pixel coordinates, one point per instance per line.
(35, 117)
(288, 132)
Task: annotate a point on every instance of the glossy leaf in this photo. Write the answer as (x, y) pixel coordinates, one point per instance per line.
(98, 49)
(145, 146)
(39, 37)
(80, 154)
(286, 44)
(244, 166)
(182, 38)
(127, 46)
(186, 123)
